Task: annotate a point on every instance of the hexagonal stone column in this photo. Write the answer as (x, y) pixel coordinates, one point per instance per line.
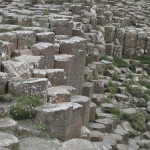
(33, 86)
(85, 102)
(57, 118)
(25, 39)
(3, 82)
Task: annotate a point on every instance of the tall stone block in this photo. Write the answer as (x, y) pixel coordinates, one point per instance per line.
(66, 62)
(57, 118)
(141, 43)
(75, 46)
(47, 50)
(25, 39)
(85, 102)
(130, 42)
(3, 82)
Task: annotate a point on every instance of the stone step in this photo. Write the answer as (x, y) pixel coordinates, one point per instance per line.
(9, 141)
(96, 136)
(104, 145)
(32, 86)
(55, 76)
(97, 126)
(122, 146)
(81, 144)
(45, 37)
(38, 144)
(122, 132)
(8, 125)
(109, 124)
(58, 94)
(85, 133)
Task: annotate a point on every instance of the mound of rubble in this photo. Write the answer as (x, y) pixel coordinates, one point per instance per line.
(74, 74)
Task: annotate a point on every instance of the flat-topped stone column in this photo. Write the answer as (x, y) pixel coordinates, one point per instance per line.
(29, 87)
(66, 62)
(85, 102)
(75, 46)
(57, 118)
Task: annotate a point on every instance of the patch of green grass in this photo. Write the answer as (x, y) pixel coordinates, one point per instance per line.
(130, 76)
(119, 62)
(117, 113)
(33, 101)
(138, 120)
(109, 66)
(112, 87)
(96, 116)
(136, 91)
(141, 103)
(46, 12)
(41, 127)
(115, 76)
(145, 83)
(133, 134)
(104, 57)
(49, 136)
(147, 97)
(147, 92)
(24, 108)
(144, 59)
(21, 112)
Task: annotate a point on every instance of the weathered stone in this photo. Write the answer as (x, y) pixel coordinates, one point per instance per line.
(38, 144)
(98, 86)
(87, 89)
(45, 37)
(9, 141)
(62, 26)
(109, 33)
(65, 62)
(75, 46)
(97, 126)
(76, 122)
(109, 123)
(104, 145)
(9, 37)
(47, 50)
(25, 39)
(109, 49)
(29, 87)
(8, 125)
(80, 144)
(16, 68)
(85, 102)
(130, 42)
(85, 133)
(37, 62)
(57, 118)
(56, 76)
(123, 133)
(3, 82)
(96, 136)
(141, 43)
(58, 94)
(92, 111)
(7, 48)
